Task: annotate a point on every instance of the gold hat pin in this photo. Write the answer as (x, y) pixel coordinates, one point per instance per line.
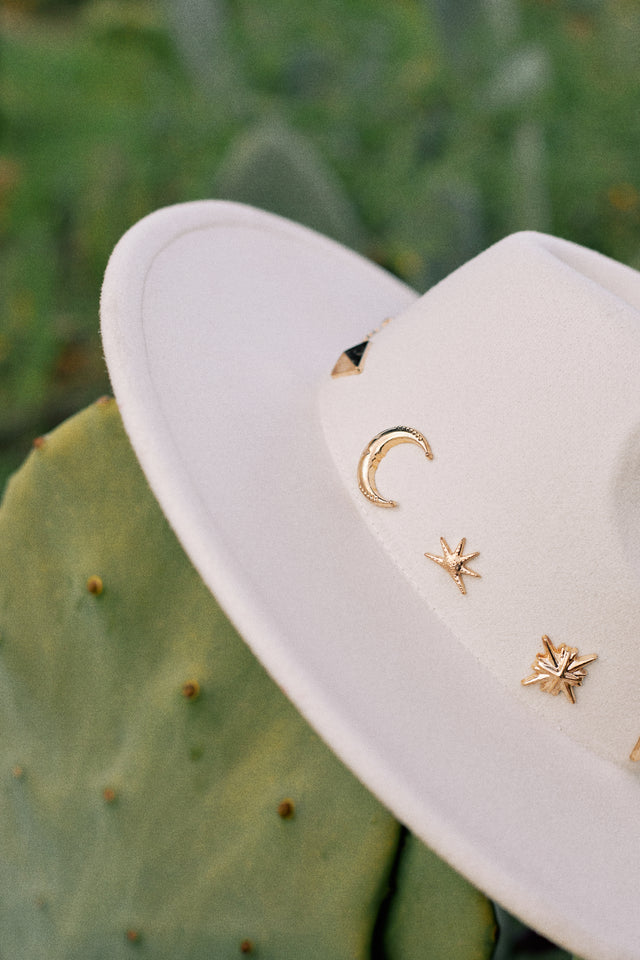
(559, 669)
(351, 361)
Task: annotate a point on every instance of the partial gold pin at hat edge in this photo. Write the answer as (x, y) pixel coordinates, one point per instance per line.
(455, 563)
(635, 753)
(559, 669)
(351, 361)
(376, 450)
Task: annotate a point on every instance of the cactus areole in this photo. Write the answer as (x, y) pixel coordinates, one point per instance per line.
(221, 326)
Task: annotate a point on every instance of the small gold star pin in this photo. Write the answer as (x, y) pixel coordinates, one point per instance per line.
(635, 753)
(559, 669)
(454, 563)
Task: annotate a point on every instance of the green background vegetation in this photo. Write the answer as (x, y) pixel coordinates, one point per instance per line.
(417, 131)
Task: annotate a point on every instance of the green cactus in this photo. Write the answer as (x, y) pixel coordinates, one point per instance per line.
(159, 796)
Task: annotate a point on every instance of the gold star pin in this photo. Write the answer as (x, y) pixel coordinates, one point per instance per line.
(454, 563)
(559, 669)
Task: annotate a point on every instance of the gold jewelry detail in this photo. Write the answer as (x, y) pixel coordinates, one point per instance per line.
(454, 563)
(635, 753)
(351, 361)
(374, 453)
(559, 669)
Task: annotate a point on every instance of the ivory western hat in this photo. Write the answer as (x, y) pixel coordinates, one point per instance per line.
(222, 326)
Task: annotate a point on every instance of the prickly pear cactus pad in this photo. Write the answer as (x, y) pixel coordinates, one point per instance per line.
(159, 796)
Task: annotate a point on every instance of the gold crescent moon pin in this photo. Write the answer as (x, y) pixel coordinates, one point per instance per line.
(374, 453)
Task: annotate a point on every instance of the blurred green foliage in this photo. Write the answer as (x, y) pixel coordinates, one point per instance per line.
(427, 128)
(419, 131)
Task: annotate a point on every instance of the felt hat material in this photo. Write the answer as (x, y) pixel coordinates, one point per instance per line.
(221, 326)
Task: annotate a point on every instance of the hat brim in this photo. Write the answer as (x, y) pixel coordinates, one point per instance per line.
(219, 323)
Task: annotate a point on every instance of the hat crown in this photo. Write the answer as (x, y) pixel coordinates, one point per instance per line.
(521, 370)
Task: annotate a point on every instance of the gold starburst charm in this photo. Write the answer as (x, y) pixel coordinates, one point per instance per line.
(454, 563)
(559, 669)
